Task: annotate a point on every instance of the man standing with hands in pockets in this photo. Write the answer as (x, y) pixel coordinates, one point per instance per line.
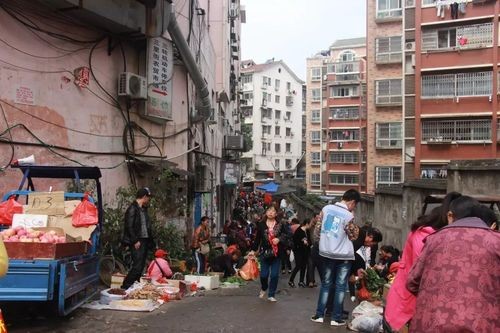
(138, 235)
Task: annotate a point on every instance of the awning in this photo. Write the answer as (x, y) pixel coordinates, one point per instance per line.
(270, 187)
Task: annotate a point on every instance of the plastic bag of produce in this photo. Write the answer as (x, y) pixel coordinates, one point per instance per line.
(8, 209)
(85, 213)
(250, 270)
(367, 323)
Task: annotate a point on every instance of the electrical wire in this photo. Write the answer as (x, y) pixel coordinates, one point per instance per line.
(30, 24)
(42, 57)
(11, 138)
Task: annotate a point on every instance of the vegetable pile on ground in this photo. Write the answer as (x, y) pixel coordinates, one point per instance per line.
(374, 283)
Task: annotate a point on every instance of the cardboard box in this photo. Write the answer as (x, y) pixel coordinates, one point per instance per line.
(117, 280)
(208, 282)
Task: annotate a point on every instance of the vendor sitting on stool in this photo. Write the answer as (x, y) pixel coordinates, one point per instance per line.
(225, 263)
(159, 267)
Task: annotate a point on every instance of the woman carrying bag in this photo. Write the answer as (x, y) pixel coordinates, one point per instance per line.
(201, 244)
(270, 233)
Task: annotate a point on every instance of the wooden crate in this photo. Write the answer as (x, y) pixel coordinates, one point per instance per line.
(20, 250)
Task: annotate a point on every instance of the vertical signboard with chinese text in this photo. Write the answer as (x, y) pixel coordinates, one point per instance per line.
(160, 70)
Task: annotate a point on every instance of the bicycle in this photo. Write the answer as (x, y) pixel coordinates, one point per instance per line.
(110, 264)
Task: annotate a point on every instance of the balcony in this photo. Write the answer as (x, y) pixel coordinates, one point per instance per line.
(457, 85)
(459, 131)
(458, 38)
(486, 8)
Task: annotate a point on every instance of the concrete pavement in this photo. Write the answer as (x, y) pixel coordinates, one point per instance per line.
(222, 310)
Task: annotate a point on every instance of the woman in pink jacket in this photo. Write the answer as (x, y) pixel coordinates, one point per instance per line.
(159, 267)
(400, 303)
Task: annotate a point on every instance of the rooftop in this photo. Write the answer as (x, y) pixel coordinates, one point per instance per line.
(249, 66)
(350, 42)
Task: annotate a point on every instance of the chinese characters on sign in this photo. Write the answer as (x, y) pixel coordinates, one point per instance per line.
(160, 69)
(231, 173)
(25, 95)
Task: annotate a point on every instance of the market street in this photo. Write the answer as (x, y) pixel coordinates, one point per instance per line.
(222, 310)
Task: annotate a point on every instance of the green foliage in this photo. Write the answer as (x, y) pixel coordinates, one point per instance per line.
(374, 283)
(165, 200)
(313, 199)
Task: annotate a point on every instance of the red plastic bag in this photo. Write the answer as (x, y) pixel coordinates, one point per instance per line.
(85, 213)
(250, 270)
(8, 209)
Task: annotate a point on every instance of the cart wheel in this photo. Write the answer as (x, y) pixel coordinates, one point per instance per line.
(106, 269)
(120, 267)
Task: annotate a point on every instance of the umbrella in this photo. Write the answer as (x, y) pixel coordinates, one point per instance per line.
(284, 190)
(270, 187)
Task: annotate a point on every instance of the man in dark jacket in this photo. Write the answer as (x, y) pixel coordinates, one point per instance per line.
(137, 235)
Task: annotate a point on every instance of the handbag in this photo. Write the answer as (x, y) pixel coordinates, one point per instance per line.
(204, 248)
(268, 254)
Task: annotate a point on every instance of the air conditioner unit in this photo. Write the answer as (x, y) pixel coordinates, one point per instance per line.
(325, 77)
(202, 179)
(410, 3)
(234, 142)
(410, 46)
(132, 85)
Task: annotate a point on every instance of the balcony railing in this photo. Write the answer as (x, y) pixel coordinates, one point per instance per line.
(389, 13)
(463, 37)
(457, 85)
(448, 131)
(344, 113)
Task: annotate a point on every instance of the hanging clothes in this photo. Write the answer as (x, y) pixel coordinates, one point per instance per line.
(462, 7)
(440, 8)
(454, 10)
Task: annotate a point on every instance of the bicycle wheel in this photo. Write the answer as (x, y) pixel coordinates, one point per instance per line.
(106, 269)
(120, 267)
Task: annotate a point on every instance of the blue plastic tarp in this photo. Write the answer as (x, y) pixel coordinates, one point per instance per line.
(270, 187)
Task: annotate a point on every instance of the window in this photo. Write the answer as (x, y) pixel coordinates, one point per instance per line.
(388, 92)
(343, 179)
(248, 96)
(288, 116)
(345, 91)
(389, 135)
(288, 86)
(266, 129)
(269, 97)
(388, 175)
(330, 68)
(315, 74)
(288, 164)
(344, 113)
(276, 98)
(344, 135)
(277, 84)
(461, 37)
(316, 95)
(315, 137)
(315, 179)
(246, 78)
(266, 147)
(456, 85)
(277, 114)
(267, 113)
(388, 49)
(288, 131)
(428, 2)
(315, 116)
(438, 131)
(389, 8)
(344, 157)
(277, 130)
(266, 81)
(315, 157)
(276, 164)
(288, 147)
(346, 56)
(277, 148)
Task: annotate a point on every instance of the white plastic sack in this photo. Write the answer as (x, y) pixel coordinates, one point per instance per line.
(367, 308)
(292, 256)
(367, 323)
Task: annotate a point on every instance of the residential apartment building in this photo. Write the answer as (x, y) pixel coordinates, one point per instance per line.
(385, 93)
(336, 118)
(432, 86)
(454, 54)
(61, 81)
(273, 109)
